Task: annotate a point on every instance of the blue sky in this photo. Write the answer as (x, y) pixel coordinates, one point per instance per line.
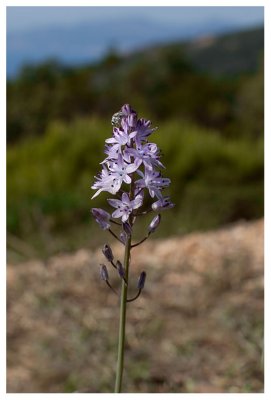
(29, 18)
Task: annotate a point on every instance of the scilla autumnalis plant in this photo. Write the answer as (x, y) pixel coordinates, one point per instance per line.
(131, 173)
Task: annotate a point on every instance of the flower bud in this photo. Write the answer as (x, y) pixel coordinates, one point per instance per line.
(104, 273)
(154, 223)
(127, 228)
(132, 120)
(127, 110)
(163, 204)
(120, 269)
(101, 217)
(141, 280)
(123, 237)
(107, 252)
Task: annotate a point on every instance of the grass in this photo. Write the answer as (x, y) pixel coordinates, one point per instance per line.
(195, 328)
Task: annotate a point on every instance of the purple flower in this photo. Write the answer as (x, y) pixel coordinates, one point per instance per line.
(143, 130)
(162, 204)
(148, 154)
(129, 151)
(153, 181)
(120, 169)
(106, 182)
(121, 136)
(101, 217)
(131, 160)
(125, 206)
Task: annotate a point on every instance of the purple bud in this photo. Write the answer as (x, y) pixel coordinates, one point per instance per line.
(101, 217)
(163, 204)
(127, 228)
(132, 120)
(120, 269)
(104, 273)
(141, 280)
(108, 253)
(123, 237)
(154, 223)
(127, 110)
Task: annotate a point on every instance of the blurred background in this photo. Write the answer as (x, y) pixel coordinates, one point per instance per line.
(198, 74)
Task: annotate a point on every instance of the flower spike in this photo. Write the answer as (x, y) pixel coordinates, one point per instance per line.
(131, 174)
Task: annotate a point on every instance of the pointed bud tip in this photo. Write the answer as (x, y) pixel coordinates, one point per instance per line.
(141, 280)
(104, 273)
(127, 228)
(154, 224)
(120, 269)
(107, 252)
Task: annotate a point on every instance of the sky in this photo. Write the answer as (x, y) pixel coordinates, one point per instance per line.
(30, 18)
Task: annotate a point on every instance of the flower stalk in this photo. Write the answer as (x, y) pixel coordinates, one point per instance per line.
(122, 321)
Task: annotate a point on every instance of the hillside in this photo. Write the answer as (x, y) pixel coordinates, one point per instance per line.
(202, 307)
(227, 55)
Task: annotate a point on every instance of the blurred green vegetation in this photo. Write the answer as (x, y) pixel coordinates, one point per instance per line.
(210, 131)
(215, 180)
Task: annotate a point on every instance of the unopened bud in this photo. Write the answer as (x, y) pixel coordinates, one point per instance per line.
(127, 110)
(102, 217)
(132, 120)
(154, 223)
(104, 273)
(127, 228)
(108, 253)
(123, 237)
(120, 269)
(141, 280)
(163, 204)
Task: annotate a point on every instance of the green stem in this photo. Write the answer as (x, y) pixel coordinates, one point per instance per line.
(123, 302)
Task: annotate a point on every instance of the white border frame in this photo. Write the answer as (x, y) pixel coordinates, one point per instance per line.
(267, 326)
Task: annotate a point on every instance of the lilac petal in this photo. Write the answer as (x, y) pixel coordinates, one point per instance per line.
(97, 193)
(120, 161)
(125, 217)
(125, 198)
(132, 167)
(137, 202)
(117, 213)
(111, 140)
(114, 202)
(116, 186)
(127, 179)
(140, 173)
(133, 134)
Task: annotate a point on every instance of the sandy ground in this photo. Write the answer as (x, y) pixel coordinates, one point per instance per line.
(197, 327)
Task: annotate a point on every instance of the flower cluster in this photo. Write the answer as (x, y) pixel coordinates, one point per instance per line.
(131, 172)
(134, 161)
